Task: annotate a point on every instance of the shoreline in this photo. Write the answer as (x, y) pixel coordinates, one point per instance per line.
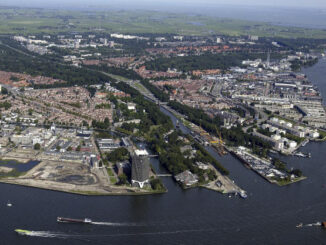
(270, 180)
(80, 192)
(31, 179)
(27, 180)
(17, 160)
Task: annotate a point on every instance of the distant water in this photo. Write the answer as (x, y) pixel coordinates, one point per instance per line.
(317, 75)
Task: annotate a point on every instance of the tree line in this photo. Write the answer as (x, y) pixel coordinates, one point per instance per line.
(221, 61)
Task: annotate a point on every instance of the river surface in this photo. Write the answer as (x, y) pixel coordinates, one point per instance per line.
(197, 216)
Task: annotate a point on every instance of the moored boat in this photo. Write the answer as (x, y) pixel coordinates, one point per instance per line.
(243, 194)
(301, 154)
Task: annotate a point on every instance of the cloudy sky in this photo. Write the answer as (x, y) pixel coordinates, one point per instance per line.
(280, 3)
(276, 3)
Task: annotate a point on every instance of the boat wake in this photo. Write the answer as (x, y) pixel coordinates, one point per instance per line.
(60, 235)
(314, 224)
(49, 234)
(308, 225)
(115, 224)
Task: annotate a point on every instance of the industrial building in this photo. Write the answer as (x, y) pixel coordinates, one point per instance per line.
(107, 144)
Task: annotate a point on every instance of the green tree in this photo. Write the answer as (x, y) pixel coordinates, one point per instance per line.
(297, 172)
(37, 146)
(279, 164)
(123, 179)
(4, 90)
(156, 184)
(119, 154)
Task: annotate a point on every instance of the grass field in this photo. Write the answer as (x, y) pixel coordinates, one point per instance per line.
(37, 21)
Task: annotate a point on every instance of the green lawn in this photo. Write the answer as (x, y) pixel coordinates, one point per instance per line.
(110, 172)
(113, 180)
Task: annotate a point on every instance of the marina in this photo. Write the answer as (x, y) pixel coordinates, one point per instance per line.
(265, 168)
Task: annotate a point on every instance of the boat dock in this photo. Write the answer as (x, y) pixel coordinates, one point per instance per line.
(262, 167)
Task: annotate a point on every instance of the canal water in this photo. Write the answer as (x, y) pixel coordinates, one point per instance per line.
(197, 216)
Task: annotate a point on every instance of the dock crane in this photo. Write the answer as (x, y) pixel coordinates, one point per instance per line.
(220, 148)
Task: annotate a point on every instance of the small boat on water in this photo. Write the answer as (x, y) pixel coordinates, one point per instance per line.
(301, 154)
(178, 124)
(299, 225)
(243, 194)
(74, 221)
(9, 204)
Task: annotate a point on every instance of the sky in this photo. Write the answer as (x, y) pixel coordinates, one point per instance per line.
(275, 3)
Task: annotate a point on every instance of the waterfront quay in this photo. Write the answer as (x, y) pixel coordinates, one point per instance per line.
(71, 177)
(224, 185)
(265, 167)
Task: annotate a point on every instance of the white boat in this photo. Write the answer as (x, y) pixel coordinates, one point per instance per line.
(9, 204)
(299, 225)
(243, 194)
(301, 154)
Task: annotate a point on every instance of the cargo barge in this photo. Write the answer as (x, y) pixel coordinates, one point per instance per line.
(74, 221)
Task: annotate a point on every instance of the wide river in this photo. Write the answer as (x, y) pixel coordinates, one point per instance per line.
(197, 216)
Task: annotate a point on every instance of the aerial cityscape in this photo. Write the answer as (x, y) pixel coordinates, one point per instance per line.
(150, 126)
